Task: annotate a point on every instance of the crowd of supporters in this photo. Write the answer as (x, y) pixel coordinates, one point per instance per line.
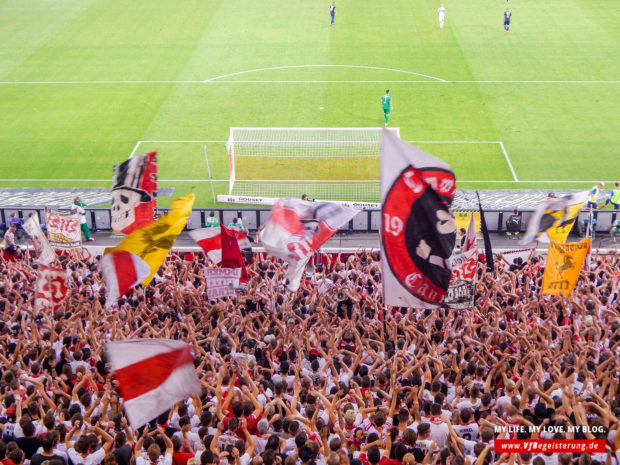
(325, 375)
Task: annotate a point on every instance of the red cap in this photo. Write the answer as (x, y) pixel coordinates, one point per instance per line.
(314, 352)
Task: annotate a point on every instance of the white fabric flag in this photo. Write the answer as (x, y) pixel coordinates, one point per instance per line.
(42, 247)
(297, 228)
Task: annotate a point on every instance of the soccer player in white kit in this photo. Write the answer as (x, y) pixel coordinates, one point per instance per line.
(442, 15)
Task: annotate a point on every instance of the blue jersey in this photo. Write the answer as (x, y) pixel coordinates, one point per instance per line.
(507, 15)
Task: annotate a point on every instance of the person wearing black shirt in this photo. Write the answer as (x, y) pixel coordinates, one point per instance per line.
(48, 441)
(29, 443)
(513, 224)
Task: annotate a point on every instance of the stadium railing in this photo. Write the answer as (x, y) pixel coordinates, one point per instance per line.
(366, 221)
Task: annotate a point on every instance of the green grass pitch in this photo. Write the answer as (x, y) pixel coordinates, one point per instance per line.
(82, 82)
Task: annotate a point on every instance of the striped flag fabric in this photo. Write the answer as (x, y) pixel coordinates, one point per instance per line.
(121, 270)
(210, 240)
(223, 247)
(153, 375)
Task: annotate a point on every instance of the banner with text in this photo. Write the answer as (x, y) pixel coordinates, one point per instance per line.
(63, 229)
(222, 282)
(462, 291)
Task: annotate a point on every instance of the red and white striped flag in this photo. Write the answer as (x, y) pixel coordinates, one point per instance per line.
(223, 246)
(210, 240)
(122, 270)
(153, 375)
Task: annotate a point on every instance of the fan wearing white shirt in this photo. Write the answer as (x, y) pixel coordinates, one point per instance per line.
(82, 453)
(439, 429)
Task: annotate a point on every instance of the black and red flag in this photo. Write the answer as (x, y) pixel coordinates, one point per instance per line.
(418, 231)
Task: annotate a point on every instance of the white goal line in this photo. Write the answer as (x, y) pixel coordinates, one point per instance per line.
(499, 142)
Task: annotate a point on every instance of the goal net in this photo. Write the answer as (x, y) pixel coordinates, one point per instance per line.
(324, 163)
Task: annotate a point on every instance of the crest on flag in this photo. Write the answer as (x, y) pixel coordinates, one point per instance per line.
(564, 262)
(51, 289)
(134, 193)
(297, 228)
(554, 218)
(418, 229)
(63, 229)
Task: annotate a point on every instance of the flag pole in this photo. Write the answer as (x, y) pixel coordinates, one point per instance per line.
(209, 171)
(488, 250)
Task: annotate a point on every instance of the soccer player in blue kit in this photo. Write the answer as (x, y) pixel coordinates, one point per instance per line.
(507, 18)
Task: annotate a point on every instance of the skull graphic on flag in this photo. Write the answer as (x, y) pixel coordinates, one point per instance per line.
(134, 193)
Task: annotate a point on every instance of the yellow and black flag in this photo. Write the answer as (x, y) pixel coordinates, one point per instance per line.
(153, 242)
(554, 218)
(564, 262)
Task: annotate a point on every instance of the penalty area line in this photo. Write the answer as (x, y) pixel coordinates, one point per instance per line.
(514, 175)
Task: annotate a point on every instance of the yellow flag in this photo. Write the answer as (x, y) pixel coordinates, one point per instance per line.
(564, 262)
(153, 242)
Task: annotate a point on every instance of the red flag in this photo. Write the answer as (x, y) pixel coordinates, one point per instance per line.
(210, 240)
(122, 270)
(231, 253)
(51, 289)
(153, 375)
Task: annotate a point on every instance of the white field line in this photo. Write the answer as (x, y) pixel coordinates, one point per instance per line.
(134, 149)
(396, 81)
(514, 175)
(321, 66)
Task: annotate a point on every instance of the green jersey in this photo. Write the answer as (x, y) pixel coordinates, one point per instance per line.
(212, 222)
(386, 101)
(615, 196)
(238, 225)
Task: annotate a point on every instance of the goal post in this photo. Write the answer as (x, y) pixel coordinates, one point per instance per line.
(326, 163)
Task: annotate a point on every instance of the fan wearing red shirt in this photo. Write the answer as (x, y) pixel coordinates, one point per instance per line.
(180, 457)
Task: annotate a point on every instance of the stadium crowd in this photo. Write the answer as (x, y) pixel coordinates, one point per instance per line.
(324, 376)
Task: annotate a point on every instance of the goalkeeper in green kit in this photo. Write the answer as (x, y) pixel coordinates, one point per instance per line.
(386, 103)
